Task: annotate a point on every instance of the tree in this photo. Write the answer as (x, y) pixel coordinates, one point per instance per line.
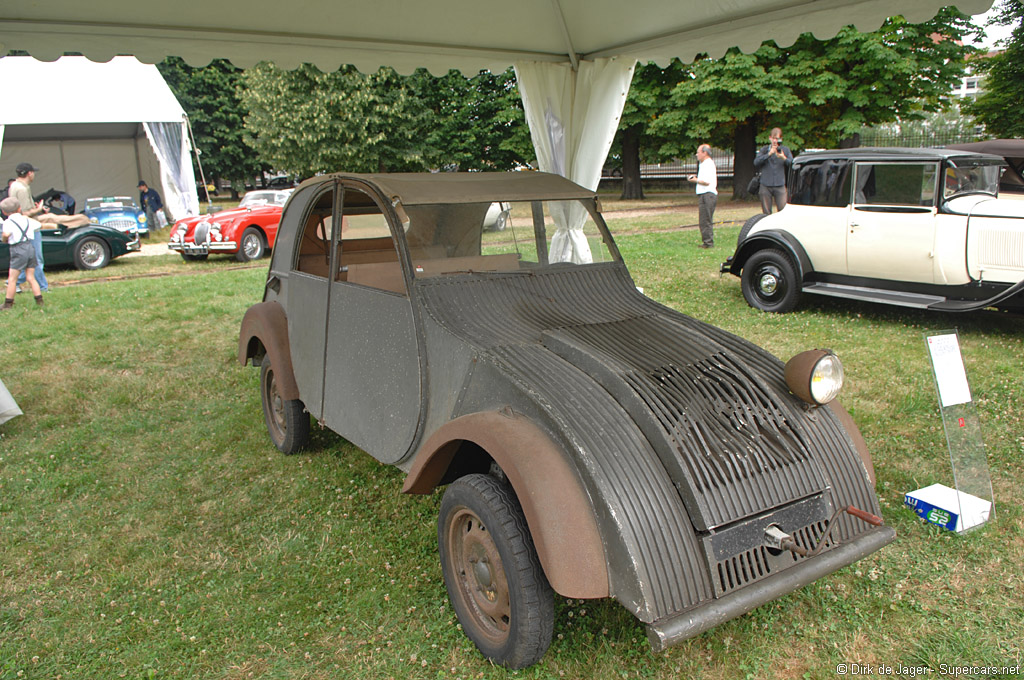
(209, 96)
(305, 121)
(477, 123)
(821, 92)
(999, 106)
(648, 98)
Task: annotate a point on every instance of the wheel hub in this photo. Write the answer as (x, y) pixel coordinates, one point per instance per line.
(768, 283)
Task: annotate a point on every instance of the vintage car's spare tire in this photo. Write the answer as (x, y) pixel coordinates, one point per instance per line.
(91, 253)
(251, 246)
(287, 420)
(747, 226)
(494, 578)
(770, 282)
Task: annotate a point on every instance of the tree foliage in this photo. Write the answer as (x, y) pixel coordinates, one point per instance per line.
(999, 107)
(821, 92)
(305, 121)
(210, 97)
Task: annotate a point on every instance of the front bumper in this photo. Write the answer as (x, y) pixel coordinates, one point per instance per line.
(674, 629)
(204, 248)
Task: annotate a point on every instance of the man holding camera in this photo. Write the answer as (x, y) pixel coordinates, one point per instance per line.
(773, 163)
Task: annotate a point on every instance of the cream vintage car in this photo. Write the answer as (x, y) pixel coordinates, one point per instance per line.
(918, 228)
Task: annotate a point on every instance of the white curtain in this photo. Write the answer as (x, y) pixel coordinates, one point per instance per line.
(8, 407)
(177, 181)
(573, 116)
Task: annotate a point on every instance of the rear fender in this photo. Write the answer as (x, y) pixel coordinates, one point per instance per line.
(265, 330)
(556, 504)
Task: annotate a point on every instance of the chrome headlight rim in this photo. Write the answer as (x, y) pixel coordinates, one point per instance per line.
(815, 376)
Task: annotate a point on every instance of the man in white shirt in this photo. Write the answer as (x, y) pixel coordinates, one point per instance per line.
(706, 180)
(17, 232)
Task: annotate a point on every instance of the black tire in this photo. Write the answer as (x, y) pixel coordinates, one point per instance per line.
(770, 282)
(747, 226)
(286, 419)
(91, 253)
(193, 258)
(494, 578)
(251, 246)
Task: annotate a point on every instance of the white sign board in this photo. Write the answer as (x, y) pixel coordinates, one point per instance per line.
(950, 375)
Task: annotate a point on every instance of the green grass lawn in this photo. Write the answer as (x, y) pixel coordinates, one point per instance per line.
(149, 529)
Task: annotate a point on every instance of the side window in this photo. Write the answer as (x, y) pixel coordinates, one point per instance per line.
(896, 184)
(826, 183)
(313, 254)
(369, 254)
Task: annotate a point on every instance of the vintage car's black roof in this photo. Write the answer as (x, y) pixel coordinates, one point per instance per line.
(894, 153)
(424, 188)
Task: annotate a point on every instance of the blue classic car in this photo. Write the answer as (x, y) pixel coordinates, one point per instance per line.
(120, 212)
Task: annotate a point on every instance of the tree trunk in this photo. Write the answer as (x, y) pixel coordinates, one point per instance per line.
(632, 188)
(744, 147)
(851, 142)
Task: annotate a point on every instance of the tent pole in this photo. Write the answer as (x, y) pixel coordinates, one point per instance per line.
(195, 150)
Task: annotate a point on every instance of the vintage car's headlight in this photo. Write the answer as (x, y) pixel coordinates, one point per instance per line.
(141, 218)
(816, 376)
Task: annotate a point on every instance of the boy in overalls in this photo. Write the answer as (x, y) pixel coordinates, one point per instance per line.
(17, 232)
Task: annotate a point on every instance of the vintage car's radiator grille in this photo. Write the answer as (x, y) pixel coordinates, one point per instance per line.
(760, 562)
(121, 224)
(201, 234)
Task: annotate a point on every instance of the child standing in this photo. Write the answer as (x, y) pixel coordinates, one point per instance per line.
(18, 232)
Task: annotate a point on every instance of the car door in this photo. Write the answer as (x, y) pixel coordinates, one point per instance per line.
(372, 386)
(891, 228)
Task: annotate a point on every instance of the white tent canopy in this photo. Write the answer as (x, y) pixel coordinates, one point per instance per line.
(571, 56)
(101, 127)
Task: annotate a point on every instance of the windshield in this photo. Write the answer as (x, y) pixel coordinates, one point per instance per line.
(504, 237)
(967, 177)
(258, 198)
(109, 202)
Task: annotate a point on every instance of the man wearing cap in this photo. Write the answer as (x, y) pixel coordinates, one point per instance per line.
(150, 201)
(26, 174)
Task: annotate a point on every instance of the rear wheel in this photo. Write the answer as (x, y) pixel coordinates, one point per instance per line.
(286, 419)
(251, 246)
(91, 253)
(492, 572)
(770, 282)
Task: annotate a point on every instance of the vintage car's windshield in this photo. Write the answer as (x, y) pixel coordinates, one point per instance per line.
(971, 176)
(516, 236)
(109, 202)
(254, 199)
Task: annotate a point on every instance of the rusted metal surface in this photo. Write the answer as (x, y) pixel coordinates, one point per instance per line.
(267, 324)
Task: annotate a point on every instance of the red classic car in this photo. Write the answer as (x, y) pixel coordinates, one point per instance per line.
(248, 231)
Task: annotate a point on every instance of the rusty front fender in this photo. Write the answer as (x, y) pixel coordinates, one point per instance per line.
(555, 502)
(267, 324)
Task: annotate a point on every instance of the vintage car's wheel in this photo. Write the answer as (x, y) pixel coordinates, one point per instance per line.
(287, 420)
(193, 258)
(251, 246)
(494, 578)
(747, 226)
(91, 253)
(770, 282)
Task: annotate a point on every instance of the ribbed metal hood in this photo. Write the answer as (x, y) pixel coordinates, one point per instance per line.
(723, 430)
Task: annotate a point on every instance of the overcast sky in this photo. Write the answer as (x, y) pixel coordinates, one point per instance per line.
(993, 33)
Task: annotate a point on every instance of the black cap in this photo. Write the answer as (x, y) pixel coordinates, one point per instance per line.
(25, 168)
(142, 183)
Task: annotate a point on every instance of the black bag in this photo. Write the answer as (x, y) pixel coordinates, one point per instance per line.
(755, 184)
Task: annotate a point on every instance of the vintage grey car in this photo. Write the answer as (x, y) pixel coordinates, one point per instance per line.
(921, 228)
(593, 442)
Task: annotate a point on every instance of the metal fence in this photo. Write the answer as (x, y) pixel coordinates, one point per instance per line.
(918, 140)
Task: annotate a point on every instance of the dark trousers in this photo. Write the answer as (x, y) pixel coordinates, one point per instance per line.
(769, 193)
(706, 203)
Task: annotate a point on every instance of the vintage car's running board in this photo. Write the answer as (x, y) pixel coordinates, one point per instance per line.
(916, 300)
(671, 631)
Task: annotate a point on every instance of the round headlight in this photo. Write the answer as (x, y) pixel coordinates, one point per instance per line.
(142, 219)
(816, 376)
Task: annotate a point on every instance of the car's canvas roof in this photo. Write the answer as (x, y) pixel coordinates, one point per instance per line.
(892, 153)
(426, 188)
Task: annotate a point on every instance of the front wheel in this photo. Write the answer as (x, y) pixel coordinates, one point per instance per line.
(493, 575)
(770, 282)
(91, 253)
(251, 246)
(286, 419)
